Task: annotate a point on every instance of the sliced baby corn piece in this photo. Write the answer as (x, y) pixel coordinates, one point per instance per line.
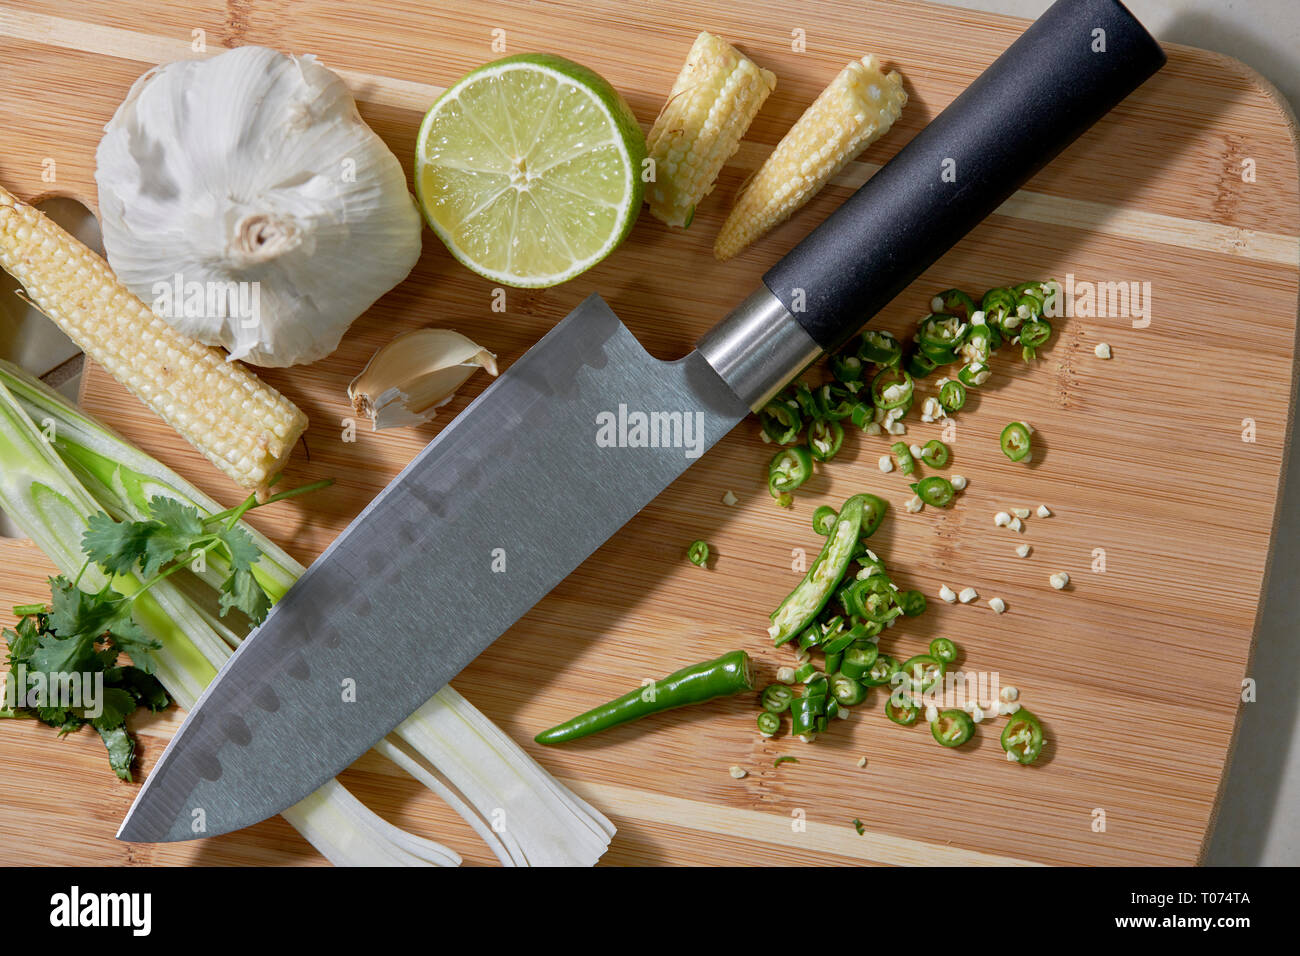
(859, 107)
(243, 426)
(709, 109)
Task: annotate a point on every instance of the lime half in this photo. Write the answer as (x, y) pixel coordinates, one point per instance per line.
(529, 169)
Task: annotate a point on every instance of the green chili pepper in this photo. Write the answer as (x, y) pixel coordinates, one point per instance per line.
(897, 382)
(806, 601)
(803, 716)
(1034, 334)
(780, 760)
(935, 490)
(935, 453)
(906, 463)
(788, 469)
(847, 691)
(881, 672)
(863, 414)
(873, 512)
(825, 439)
(768, 723)
(922, 672)
(978, 345)
(879, 348)
(953, 728)
(858, 661)
(802, 396)
(998, 304)
(942, 649)
(776, 698)
(698, 553)
(784, 499)
(835, 402)
(781, 421)
(1023, 736)
(910, 603)
(952, 395)
(728, 674)
(806, 672)
(833, 659)
(823, 519)
(846, 366)
(857, 825)
(958, 303)
(1016, 443)
(902, 711)
(973, 375)
(944, 332)
(921, 365)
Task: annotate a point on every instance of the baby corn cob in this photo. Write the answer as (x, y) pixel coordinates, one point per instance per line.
(711, 106)
(858, 107)
(244, 427)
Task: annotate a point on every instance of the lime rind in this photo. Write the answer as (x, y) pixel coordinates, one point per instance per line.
(464, 181)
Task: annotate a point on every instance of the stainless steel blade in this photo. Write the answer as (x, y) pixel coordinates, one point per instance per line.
(534, 476)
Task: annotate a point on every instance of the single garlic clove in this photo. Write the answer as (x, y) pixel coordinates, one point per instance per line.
(410, 378)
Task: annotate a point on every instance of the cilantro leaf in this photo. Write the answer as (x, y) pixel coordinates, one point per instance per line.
(66, 655)
(144, 687)
(182, 519)
(241, 547)
(116, 545)
(115, 704)
(74, 613)
(121, 751)
(242, 592)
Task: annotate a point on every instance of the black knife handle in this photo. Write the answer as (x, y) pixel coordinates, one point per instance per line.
(1075, 63)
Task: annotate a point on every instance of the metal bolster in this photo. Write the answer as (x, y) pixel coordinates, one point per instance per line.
(758, 348)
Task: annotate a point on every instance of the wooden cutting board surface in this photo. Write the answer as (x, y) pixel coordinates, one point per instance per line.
(1136, 670)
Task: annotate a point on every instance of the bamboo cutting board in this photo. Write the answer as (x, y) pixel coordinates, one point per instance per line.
(1136, 670)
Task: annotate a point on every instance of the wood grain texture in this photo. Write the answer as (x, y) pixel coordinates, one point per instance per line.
(1135, 671)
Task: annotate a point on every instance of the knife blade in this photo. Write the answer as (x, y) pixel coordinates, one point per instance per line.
(557, 454)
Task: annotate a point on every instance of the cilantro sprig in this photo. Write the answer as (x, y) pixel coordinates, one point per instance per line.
(82, 633)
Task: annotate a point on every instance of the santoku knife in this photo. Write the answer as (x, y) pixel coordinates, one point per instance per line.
(582, 432)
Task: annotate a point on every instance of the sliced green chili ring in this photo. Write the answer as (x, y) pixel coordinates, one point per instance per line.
(835, 402)
(881, 672)
(805, 602)
(871, 631)
(1032, 297)
(832, 707)
(846, 366)
(804, 398)
(906, 463)
(997, 304)
(942, 649)
(810, 637)
(979, 344)
(780, 760)
(833, 659)
(784, 499)
(788, 469)
(698, 553)
(863, 414)
(768, 723)
(879, 348)
(910, 603)
(1033, 335)
(941, 331)
(903, 712)
(973, 375)
(817, 688)
(935, 453)
(1023, 736)
(873, 512)
(1015, 441)
(958, 303)
(847, 691)
(806, 672)
(803, 716)
(781, 421)
(776, 698)
(953, 728)
(880, 607)
(825, 439)
(920, 365)
(952, 395)
(897, 379)
(823, 519)
(841, 642)
(935, 490)
(857, 661)
(922, 672)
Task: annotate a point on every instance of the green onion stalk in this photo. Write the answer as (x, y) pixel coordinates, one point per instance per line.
(56, 476)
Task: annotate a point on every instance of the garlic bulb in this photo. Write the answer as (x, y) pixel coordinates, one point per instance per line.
(245, 199)
(414, 375)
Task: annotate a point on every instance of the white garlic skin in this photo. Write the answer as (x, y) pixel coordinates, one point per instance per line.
(255, 166)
